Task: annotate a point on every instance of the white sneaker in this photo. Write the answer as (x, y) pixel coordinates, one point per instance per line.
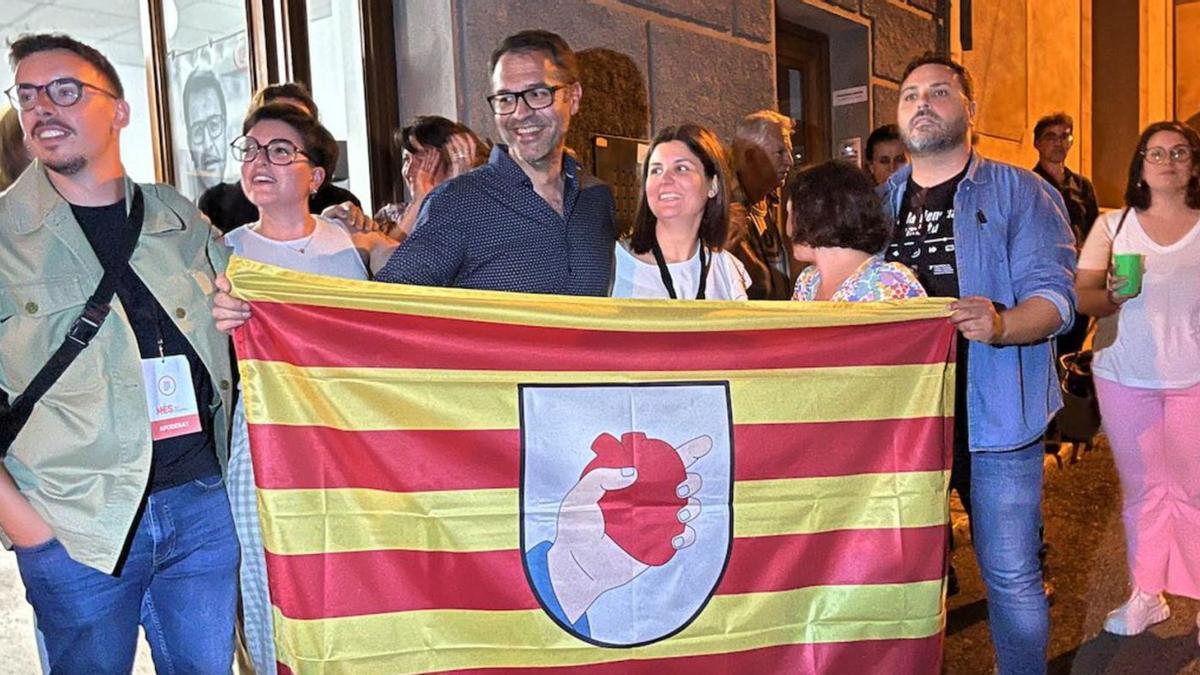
(1139, 613)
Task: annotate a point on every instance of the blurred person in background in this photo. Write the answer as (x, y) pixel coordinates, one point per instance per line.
(885, 153)
(762, 158)
(433, 149)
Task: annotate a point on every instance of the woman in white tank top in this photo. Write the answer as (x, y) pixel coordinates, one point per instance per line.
(681, 224)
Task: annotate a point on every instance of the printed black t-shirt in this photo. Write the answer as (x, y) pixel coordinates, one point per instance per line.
(923, 239)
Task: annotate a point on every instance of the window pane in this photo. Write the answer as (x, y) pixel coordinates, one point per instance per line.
(335, 55)
(208, 73)
(114, 28)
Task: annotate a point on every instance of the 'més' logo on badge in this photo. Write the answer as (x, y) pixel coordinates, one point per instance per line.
(626, 505)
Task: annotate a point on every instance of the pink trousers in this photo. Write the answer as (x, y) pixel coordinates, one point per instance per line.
(1155, 438)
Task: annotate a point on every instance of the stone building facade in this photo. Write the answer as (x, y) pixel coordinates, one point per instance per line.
(653, 63)
(1114, 66)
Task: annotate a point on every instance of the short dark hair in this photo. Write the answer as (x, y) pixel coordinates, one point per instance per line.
(938, 59)
(198, 81)
(834, 204)
(296, 90)
(884, 134)
(539, 41)
(434, 131)
(29, 44)
(1137, 193)
(1057, 119)
(714, 222)
(315, 139)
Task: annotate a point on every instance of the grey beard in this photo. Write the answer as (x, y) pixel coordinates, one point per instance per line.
(935, 143)
(68, 167)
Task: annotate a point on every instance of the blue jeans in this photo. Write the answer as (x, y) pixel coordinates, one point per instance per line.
(1006, 515)
(179, 581)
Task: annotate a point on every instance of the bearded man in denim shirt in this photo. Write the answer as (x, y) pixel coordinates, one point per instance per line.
(996, 237)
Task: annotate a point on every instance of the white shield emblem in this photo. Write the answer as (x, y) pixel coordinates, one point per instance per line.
(626, 504)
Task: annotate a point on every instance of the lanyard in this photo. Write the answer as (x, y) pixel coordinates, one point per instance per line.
(668, 282)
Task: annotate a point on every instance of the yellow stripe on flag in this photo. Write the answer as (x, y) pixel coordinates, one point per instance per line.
(258, 282)
(348, 398)
(437, 640)
(331, 521)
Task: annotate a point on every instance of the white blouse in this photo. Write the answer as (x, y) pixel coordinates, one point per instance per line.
(634, 278)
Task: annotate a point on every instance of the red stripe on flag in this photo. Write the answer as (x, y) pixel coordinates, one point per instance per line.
(921, 655)
(422, 461)
(407, 341)
(398, 461)
(314, 586)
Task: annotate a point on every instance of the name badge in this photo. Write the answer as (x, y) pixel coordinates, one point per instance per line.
(170, 397)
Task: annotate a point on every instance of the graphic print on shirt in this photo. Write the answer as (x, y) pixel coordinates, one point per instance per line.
(924, 238)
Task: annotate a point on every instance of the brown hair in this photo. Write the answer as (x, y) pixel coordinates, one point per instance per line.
(835, 204)
(295, 90)
(316, 141)
(714, 222)
(1137, 193)
(1053, 120)
(539, 41)
(27, 45)
(14, 157)
(931, 58)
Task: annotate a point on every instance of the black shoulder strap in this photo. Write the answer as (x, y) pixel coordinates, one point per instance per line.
(85, 327)
(1121, 223)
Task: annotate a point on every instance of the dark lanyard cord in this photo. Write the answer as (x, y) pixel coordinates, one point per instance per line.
(668, 282)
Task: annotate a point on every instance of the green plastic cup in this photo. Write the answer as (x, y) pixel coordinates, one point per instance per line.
(1129, 265)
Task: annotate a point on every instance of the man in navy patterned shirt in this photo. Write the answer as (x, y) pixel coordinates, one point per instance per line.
(531, 219)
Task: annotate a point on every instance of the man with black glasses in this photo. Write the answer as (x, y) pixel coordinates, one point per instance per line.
(111, 491)
(530, 219)
(204, 117)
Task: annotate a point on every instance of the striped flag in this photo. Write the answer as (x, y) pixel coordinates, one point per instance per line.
(462, 481)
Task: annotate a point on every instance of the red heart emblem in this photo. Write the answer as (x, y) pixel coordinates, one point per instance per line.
(643, 518)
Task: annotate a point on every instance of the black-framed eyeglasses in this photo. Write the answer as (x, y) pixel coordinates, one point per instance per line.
(1178, 154)
(535, 98)
(212, 126)
(280, 151)
(63, 92)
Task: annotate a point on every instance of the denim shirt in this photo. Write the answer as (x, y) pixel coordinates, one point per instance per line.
(1012, 242)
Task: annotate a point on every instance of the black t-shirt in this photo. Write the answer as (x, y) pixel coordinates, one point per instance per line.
(924, 236)
(923, 239)
(177, 460)
(228, 208)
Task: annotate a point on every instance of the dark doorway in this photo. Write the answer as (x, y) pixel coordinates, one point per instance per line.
(802, 75)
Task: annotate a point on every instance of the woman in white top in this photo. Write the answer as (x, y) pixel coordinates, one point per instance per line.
(674, 250)
(286, 155)
(1147, 368)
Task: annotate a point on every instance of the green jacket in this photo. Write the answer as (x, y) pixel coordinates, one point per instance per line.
(83, 459)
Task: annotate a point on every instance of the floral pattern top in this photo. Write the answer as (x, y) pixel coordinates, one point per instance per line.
(874, 280)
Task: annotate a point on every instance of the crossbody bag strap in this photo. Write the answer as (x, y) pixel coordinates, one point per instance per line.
(79, 336)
